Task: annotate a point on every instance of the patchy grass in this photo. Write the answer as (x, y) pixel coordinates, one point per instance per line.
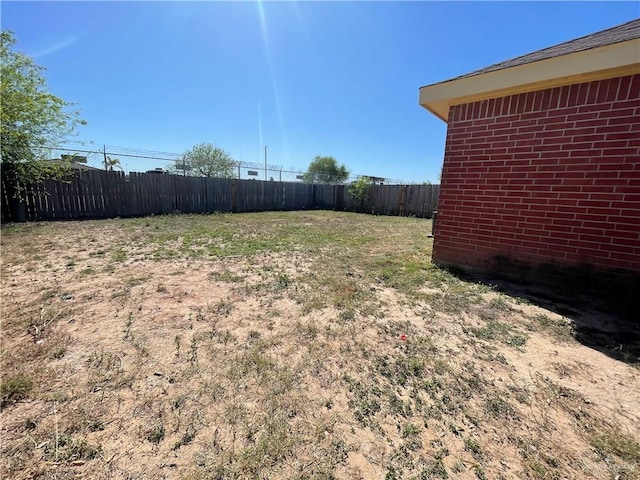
(501, 331)
(289, 345)
(558, 327)
(14, 388)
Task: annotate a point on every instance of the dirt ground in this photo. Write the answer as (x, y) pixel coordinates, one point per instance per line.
(292, 345)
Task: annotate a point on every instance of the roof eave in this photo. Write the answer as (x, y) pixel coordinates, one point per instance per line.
(599, 63)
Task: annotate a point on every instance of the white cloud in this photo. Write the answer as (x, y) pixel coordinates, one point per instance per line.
(55, 48)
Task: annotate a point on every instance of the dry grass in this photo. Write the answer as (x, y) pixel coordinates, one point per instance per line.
(289, 345)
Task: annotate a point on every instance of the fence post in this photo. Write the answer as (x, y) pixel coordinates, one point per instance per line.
(403, 199)
(234, 195)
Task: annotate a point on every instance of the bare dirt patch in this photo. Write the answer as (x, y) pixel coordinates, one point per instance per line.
(290, 345)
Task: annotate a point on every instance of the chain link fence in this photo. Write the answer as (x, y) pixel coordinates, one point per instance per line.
(109, 157)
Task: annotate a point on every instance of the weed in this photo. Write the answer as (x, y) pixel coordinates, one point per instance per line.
(97, 426)
(503, 332)
(347, 315)
(141, 347)
(471, 445)
(561, 328)
(500, 303)
(69, 448)
(500, 358)
(177, 341)
(118, 255)
(402, 369)
(479, 472)
(135, 281)
(615, 442)
(391, 473)
(397, 406)
(14, 388)
(186, 439)
(435, 469)
(223, 308)
(458, 297)
(58, 352)
(441, 367)
(558, 391)
(411, 435)
(453, 428)
(442, 453)
(365, 403)
(156, 433)
(499, 408)
(282, 281)
(178, 402)
(193, 358)
(537, 463)
(49, 294)
(254, 335)
(254, 362)
(226, 276)
(127, 328)
(488, 314)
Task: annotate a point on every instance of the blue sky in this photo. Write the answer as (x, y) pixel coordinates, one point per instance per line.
(304, 78)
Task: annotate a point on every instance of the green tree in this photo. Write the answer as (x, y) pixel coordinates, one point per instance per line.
(208, 160)
(361, 190)
(325, 170)
(32, 121)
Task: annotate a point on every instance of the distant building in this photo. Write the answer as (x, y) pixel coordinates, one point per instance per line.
(374, 180)
(77, 162)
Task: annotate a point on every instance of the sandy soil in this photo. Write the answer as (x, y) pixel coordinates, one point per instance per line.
(235, 368)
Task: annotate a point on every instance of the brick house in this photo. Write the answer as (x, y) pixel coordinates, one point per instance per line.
(541, 174)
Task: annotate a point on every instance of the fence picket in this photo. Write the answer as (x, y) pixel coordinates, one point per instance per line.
(107, 194)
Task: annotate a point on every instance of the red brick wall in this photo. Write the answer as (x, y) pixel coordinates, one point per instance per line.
(536, 182)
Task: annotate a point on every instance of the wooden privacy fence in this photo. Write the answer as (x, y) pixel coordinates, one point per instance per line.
(398, 200)
(105, 194)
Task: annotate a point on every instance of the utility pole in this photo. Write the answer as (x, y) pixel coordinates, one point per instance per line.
(265, 163)
(104, 151)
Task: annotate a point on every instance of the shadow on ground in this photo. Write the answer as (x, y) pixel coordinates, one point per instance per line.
(596, 323)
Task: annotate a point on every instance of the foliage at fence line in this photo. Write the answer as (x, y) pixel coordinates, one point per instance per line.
(325, 170)
(205, 160)
(30, 116)
(108, 194)
(361, 190)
